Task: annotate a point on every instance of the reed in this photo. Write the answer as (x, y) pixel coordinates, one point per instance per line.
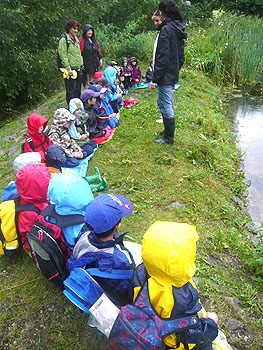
(229, 48)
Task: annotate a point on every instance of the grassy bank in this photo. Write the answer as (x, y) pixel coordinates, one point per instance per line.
(197, 180)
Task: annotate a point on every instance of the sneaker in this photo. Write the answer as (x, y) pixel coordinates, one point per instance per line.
(160, 120)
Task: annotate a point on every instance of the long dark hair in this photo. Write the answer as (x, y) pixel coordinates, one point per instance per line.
(170, 9)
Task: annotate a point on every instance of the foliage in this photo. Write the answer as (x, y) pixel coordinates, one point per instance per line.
(228, 48)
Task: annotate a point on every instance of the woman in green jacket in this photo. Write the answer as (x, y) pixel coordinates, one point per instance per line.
(71, 59)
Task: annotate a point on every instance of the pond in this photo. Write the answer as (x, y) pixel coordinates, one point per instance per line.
(246, 114)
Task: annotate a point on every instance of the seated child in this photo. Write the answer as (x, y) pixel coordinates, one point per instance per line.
(113, 95)
(55, 160)
(102, 247)
(77, 129)
(32, 186)
(104, 119)
(93, 126)
(136, 75)
(126, 73)
(59, 136)
(168, 253)
(71, 194)
(37, 141)
(149, 73)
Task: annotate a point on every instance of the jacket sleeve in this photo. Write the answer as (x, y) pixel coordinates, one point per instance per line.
(100, 55)
(162, 55)
(81, 44)
(63, 53)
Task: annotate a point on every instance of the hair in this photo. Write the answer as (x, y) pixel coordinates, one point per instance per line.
(70, 24)
(107, 233)
(171, 10)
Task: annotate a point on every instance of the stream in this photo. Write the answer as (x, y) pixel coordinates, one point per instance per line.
(246, 114)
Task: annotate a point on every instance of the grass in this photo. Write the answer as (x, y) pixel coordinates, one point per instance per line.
(200, 171)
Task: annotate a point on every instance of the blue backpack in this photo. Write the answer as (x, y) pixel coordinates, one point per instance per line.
(82, 289)
(138, 327)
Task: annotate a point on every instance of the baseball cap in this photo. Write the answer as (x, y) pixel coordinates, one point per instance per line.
(95, 87)
(88, 94)
(105, 211)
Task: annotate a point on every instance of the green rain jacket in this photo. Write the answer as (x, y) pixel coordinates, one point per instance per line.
(71, 57)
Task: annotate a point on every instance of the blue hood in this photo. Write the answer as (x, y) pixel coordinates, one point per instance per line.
(110, 75)
(70, 192)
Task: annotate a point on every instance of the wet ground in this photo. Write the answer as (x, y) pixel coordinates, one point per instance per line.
(246, 114)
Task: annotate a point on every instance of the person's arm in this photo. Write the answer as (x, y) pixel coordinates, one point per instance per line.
(81, 44)
(63, 53)
(162, 55)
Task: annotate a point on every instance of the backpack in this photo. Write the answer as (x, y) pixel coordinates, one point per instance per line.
(82, 289)
(58, 59)
(9, 232)
(138, 326)
(48, 245)
(31, 143)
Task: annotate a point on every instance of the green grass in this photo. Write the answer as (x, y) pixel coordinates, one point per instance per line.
(200, 171)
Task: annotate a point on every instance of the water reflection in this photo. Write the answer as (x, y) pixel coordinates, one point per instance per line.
(247, 119)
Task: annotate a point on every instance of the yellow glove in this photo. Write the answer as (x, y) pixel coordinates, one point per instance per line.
(66, 75)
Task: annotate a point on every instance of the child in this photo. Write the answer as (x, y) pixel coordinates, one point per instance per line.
(37, 141)
(113, 95)
(102, 247)
(104, 119)
(93, 126)
(32, 185)
(77, 129)
(168, 253)
(59, 135)
(136, 76)
(126, 73)
(149, 73)
(71, 194)
(55, 160)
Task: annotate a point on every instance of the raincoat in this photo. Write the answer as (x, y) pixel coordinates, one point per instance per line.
(59, 133)
(77, 127)
(41, 143)
(168, 253)
(71, 194)
(136, 72)
(32, 185)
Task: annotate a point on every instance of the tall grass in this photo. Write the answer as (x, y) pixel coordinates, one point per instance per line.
(230, 49)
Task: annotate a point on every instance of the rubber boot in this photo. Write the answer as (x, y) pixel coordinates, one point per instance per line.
(169, 127)
(99, 187)
(95, 177)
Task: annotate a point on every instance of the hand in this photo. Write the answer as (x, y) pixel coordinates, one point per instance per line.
(100, 63)
(136, 79)
(79, 155)
(122, 78)
(70, 72)
(84, 136)
(152, 86)
(213, 316)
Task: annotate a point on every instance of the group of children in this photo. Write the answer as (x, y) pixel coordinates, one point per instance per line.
(96, 242)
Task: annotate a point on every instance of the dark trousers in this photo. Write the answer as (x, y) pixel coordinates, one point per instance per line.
(73, 87)
(88, 148)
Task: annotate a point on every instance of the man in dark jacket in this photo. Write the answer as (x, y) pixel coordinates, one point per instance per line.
(168, 60)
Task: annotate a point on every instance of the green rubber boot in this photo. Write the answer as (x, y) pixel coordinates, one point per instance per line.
(95, 177)
(100, 187)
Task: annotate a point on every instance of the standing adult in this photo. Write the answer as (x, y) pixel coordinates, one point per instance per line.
(168, 60)
(91, 54)
(71, 59)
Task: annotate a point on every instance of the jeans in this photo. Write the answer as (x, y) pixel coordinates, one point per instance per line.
(165, 100)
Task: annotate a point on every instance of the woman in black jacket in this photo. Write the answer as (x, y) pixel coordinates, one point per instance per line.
(168, 60)
(91, 54)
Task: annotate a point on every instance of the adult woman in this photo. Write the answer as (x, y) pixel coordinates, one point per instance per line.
(168, 60)
(90, 52)
(71, 59)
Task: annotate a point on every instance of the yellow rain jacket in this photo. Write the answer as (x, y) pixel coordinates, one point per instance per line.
(168, 253)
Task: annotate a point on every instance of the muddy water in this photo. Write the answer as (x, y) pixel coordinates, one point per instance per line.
(246, 114)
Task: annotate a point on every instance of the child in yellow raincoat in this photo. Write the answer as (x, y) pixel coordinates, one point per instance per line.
(168, 253)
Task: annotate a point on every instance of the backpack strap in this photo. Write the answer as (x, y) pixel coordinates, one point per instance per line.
(27, 207)
(31, 143)
(64, 35)
(62, 220)
(114, 274)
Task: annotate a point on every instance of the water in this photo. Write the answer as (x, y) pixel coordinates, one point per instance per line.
(247, 118)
